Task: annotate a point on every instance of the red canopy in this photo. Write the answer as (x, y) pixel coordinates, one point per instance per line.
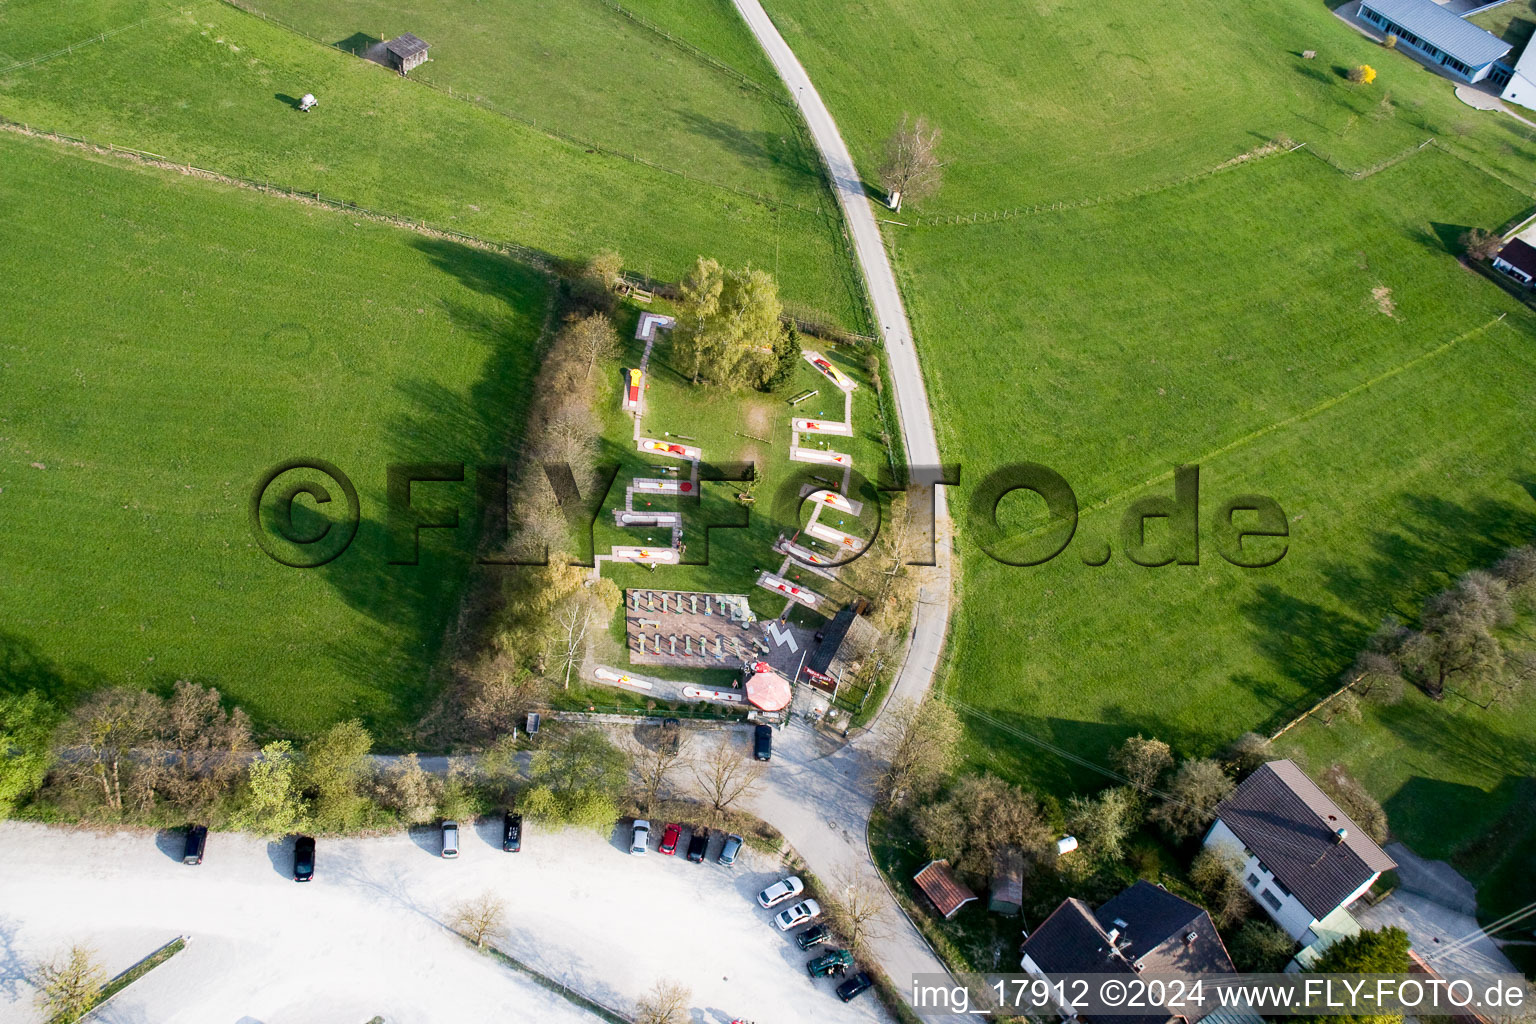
(767, 690)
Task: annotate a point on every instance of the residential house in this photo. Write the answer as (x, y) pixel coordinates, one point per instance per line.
(1302, 857)
(1517, 260)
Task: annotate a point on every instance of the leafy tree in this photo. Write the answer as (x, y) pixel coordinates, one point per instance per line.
(728, 326)
(1215, 874)
(1456, 643)
(1261, 947)
(981, 815)
(1248, 752)
(333, 772)
(480, 919)
(1142, 762)
(1384, 951)
(577, 780)
(69, 985)
(1193, 793)
(926, 752)
(786, 356)
(594, 285)
(274, 806)
(27, 722)
(1362, 74)
(665, 1003)
(410, 791)
(1103, 823)
(912, 169)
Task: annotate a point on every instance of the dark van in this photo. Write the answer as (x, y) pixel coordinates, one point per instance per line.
(197, 842)
(762, 742)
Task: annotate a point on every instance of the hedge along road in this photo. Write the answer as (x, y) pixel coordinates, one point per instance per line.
(901, 949)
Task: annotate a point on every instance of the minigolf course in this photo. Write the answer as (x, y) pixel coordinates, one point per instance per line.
(809, 426)
(827, 370)
(670, 449)
(793, 591)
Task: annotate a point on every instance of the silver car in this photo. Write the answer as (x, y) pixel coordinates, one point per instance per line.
(450, 839)
(798, 914)
(778, 892)
(640, 838)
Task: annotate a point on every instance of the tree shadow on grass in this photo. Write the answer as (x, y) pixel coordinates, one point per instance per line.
(24, 667)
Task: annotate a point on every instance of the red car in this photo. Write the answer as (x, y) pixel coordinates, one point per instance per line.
(669, 839)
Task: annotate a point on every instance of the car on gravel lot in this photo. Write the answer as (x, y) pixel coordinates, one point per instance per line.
(762, 743)
(450, 840)
(640, 837)
(836, 962)
(698, 845)
(197, 842)
(797, 915)
(813, 936)
(778, 892)
(304, 859)
(669, 837)
(512, 832)
(855, 987)
(730, 851)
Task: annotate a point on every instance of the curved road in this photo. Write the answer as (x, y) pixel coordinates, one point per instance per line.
(820, 801)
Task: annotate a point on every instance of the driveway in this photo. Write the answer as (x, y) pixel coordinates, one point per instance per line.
(364, 938)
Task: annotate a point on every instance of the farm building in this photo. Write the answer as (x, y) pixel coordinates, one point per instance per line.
(1517, 260)
(939, 885)
(842, 645)
(1521, 87)
(405, 52)
(1465, 51)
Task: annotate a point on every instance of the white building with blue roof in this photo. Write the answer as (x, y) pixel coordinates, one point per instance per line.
(1463, 50)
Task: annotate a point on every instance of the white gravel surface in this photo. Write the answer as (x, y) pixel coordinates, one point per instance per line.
(364, 938)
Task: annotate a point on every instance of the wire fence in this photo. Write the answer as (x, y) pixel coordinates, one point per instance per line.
(97, 39)
(694, 51)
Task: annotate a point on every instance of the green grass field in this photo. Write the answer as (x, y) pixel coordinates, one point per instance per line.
(173, 339)
(217, 87)
(1513, 22)
(1298, 332)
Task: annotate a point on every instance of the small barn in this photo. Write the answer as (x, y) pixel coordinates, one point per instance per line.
(1517, 260)
(939, 885)
(405, 52)
(1007, 881)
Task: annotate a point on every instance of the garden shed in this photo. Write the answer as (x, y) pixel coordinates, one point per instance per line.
(405, 52)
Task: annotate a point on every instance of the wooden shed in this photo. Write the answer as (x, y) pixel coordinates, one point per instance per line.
(938, 883)
(1007, 881)
(404, 52)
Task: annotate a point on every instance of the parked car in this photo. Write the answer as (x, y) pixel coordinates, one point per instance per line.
(813, 936)
(854, 987)
(836, 962)
(778, 892)
(762, 743)
(798, 914)
(698, 845)
(304, 859)
(669, 837)
(197, 841)
(640, 837)
(730, 851)
(512, 832)
(450, 840)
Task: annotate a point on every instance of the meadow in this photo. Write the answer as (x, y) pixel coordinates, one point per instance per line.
(217, 87)
(171, 340)
(1122, 274)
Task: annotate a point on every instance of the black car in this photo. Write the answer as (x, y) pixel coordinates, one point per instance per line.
(854, 987)
(303, 859)
(512, 832)
(698, 843)
(197, 842)
(815, 935)
(762, 742)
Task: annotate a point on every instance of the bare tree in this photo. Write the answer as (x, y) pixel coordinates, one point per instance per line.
(912, 169)
(103, 732)
(1457, 643)
(1193, 793)
(69, 985)
(726, 774)
(1142, 761)
(655, 764)
(926, 752)
(855, 906)
(572, 624)
(1215, 873)
(479, 919)
(593, 338)
(1249, 751)
(665, 1003)
(1350, 795)
(1480, 244)
(207, 744)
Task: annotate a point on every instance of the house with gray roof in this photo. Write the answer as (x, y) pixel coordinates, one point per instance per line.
(1461, 49)
(1303, 859)
(1144, 930)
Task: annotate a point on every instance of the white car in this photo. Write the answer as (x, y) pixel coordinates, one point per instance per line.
(450, 839)
(639, 840)
(798, 914)
(778, 892)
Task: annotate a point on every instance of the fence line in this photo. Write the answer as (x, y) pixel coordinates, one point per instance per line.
(528, 122)
(100, 37)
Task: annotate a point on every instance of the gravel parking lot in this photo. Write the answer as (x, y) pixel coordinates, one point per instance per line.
(364, 938)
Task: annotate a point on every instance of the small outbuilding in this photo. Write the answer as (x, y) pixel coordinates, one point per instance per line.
(939, 885)
(405, 52)
(1007, 881)
(1517, 260)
